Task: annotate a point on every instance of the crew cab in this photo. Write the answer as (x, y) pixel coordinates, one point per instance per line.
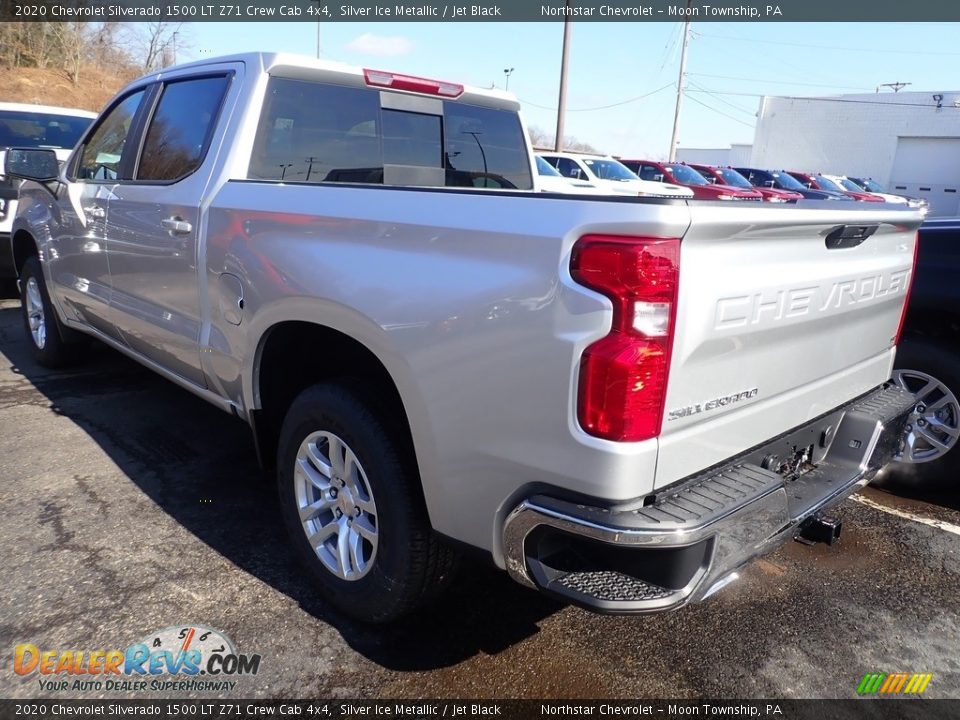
(729, 176)
(618, 400)
(684, 175)
(32, 126)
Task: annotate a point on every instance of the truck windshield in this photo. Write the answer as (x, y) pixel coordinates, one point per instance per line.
(40, 130)
(827, 184)
(609, 170)
(732, 177)
(850, 185)
(788, 182)
(872, 186)
(685, 175)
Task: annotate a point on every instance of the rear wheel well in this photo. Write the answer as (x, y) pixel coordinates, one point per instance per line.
(297, 355)
(24, 246)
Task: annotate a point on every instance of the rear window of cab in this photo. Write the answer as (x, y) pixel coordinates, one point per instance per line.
(317, 132)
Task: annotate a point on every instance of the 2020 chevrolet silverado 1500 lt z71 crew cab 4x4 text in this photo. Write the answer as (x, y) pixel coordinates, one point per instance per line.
(619, 400)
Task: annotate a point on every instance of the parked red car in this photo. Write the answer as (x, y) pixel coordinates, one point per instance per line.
(729, 176)
(819, 182)
(682, 174)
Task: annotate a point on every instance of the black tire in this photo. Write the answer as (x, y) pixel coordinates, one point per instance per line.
(940, 361)
(61, 345)
(412, 564)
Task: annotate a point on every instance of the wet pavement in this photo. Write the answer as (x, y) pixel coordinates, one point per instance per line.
(129, 506)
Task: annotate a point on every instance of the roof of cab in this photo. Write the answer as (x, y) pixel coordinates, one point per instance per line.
(284, 63)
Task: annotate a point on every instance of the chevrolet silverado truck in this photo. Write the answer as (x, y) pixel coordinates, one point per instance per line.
(618, 400)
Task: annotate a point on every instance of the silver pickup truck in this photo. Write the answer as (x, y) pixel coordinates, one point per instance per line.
(619, 400)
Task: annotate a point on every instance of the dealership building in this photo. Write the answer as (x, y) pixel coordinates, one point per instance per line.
(907, 141)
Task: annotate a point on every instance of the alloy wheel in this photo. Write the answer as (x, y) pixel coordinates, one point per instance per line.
(336, 505)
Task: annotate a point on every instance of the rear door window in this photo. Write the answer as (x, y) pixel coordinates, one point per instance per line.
(181, 128)
(317, 132)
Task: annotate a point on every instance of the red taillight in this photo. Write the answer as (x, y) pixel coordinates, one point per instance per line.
(906, 299)
(623, 376)
(411, 83)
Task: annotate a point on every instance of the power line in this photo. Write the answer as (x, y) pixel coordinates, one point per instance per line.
(700, 88)
(600, 107)
(828, 47)
(720, 112)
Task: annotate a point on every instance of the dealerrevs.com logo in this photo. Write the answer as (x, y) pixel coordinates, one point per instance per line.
(182, 658)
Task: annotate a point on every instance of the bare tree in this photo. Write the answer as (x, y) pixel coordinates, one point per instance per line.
(540, 138)
(72, 41)
(155, 43)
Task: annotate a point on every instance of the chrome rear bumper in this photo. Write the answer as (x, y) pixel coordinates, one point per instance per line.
(687, 541)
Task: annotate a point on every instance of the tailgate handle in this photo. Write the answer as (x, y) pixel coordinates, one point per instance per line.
(848, 236)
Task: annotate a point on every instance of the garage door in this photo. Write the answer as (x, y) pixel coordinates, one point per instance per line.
(929, 168)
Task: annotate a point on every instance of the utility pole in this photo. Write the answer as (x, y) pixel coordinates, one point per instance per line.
(508, 72)
(318, 2)
(175, 33)
(895, 86)
(681, 84)
(562, 104)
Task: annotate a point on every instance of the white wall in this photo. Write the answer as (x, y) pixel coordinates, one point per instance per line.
(859, 135)
(736, 154)
(704, 156)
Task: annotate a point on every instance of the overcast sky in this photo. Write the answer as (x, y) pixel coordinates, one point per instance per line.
(622, 85)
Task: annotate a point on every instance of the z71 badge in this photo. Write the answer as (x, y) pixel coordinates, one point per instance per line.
(711, 404)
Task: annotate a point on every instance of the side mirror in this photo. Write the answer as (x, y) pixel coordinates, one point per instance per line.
(658, 177)
(769, 183)
(31, 164)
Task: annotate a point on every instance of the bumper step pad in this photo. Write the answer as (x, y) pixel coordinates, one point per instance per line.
(609, 586)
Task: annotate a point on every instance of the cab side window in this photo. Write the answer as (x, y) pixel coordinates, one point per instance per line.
(568, 168)
(100, 160)
(650, 172)
(181, 128)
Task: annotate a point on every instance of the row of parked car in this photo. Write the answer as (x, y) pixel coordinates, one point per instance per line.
(581, 173)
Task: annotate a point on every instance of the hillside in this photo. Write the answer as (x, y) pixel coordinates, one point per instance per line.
(46, 86)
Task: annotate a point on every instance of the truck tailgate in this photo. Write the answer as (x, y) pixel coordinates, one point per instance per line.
(783, 314)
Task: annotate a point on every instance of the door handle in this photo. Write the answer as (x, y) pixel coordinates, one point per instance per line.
(96, 212)
(177, 226)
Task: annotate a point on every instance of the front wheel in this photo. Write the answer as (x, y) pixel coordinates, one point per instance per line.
(47, 338)
(353, 508)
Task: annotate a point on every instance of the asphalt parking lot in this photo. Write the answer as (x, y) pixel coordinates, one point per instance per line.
(130, 506)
